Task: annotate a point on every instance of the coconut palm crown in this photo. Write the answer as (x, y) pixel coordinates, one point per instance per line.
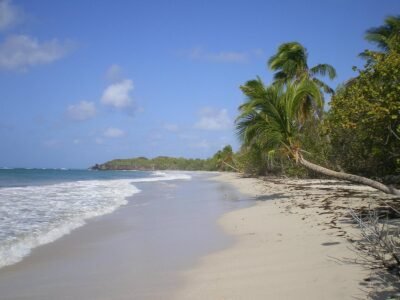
(271, 116)
(271, 119)
(290, 64)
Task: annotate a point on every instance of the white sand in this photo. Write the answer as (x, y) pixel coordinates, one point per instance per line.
(137, 252)
(290, 248)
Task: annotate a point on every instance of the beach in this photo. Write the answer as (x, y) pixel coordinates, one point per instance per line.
(136, 252)
(294, 243)
(213, 236)
(190, 150)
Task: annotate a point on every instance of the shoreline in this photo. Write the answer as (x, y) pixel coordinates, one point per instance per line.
(218, 236)
(136, 252)
(294, 243)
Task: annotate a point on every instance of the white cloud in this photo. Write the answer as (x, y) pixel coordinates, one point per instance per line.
(19, 52)
(212, 119)
(82, 111)
(9, 14)
(171, 127)
(117, 95)
(76, 141)
(114, 73)
(113, 132)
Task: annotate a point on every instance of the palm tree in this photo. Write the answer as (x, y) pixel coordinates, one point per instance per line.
(270, 118)
(290, 64)
(387, 36)
(225, 158)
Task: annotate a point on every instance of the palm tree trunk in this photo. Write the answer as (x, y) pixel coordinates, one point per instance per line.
(230, 166)
(350, 177)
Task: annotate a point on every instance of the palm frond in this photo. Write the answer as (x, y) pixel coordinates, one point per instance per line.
(291, 59)
(281, 77)
(370, 55)
(386, 36)
(323, 70)
(377, 38)
(308, 91)
(253, 88)
(322, 85)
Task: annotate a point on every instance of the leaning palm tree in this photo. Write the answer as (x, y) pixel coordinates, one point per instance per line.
(271, 118)
(290, 63)
(225, 158)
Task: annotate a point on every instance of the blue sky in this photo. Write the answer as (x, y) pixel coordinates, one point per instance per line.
(88, 81)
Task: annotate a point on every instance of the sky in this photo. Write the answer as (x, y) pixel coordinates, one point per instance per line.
(83, 82)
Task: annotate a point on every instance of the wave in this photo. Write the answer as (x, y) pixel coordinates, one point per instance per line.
(162, 176)
(31, 216)
(37, 215)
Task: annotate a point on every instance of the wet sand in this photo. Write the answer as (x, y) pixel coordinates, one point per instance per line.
(214, 237)
(137, 252)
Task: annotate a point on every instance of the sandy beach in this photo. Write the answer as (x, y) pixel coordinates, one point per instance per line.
(217, 236)
(295, 243)
(136, 252)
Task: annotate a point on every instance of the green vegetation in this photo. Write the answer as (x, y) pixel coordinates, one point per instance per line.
(159, 163)
(387, 36)
(225, 159)
(290, 64)
(283, 126)
(364, 120)
(360, 133)
(221, 161)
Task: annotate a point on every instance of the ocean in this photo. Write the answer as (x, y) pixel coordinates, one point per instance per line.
(38, 206)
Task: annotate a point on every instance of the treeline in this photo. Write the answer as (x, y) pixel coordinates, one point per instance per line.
(223, 160)
(284, 128)
(158, 163)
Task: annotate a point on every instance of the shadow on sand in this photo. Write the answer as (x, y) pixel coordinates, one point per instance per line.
(271, 197)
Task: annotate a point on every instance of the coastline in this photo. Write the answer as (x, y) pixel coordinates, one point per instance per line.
(136, 252)
(294, 243)
(218, 236)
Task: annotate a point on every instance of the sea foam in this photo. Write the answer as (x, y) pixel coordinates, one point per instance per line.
(31, 216)
(162, 176)
(36, 215)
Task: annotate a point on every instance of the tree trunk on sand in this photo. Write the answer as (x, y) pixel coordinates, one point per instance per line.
(354, 178)
(230, 166)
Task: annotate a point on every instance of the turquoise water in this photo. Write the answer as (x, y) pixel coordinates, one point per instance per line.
(38, 206)
(29, 177)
